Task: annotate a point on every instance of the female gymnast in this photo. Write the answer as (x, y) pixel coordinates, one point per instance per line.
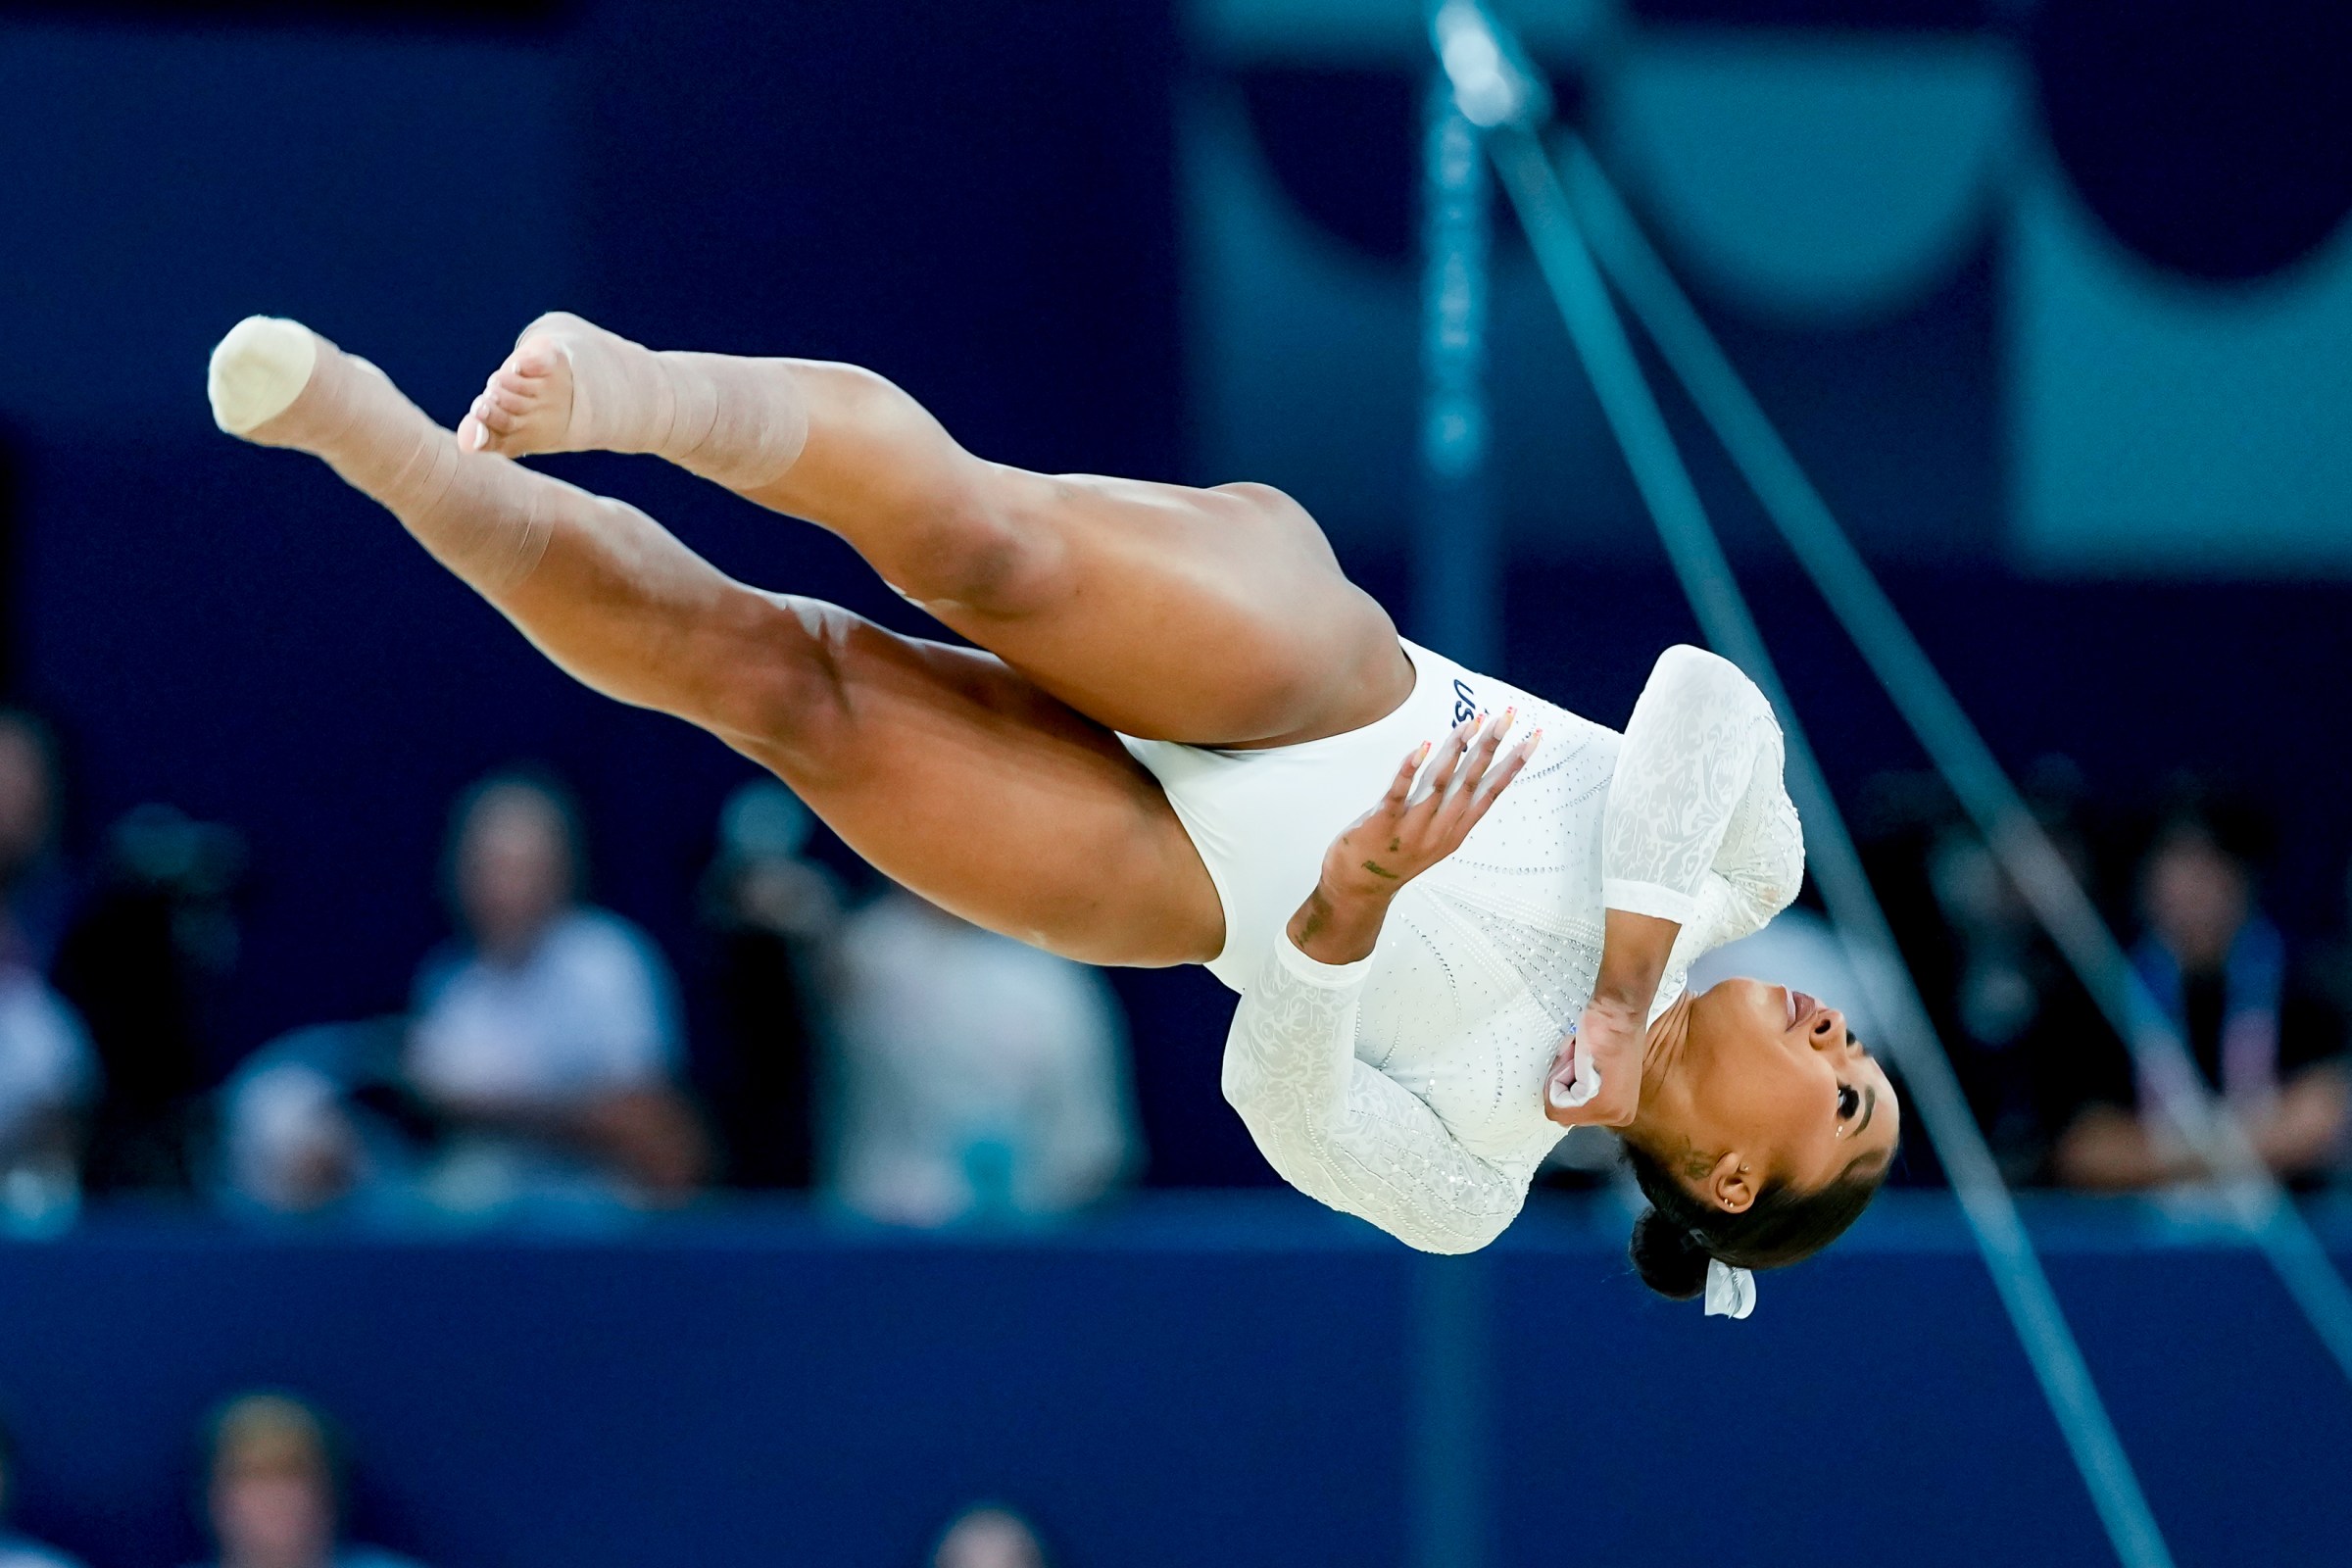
(1159, 751)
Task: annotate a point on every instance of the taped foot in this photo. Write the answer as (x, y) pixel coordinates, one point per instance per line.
(572, 386)
(257, 370)
(277, 383)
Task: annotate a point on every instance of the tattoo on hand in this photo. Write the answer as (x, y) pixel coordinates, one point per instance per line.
(1377, 869)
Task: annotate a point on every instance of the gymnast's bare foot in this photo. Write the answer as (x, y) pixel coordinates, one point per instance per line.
(571, 386)
(528, 404)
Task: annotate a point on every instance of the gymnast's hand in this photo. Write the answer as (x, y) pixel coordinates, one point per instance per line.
(1595, 1080)
(1605, 1052)
(1423, 819)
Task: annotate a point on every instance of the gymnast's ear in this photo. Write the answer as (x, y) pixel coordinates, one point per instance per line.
(1731, 1185)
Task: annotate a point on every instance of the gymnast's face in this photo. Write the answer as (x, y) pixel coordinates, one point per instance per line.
(1770, 1086)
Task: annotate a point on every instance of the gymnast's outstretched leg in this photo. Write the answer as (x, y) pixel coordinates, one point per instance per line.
(1214, 616)
(945, 769)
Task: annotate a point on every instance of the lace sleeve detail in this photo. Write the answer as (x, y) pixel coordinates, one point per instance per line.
(1761, 865)
(1341, 1132)
(1700, 829)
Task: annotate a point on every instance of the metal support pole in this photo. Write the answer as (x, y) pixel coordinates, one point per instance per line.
(1456, 608)
(1457, 579)
(1452, 1410)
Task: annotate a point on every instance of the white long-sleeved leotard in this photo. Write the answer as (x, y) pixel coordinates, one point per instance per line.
(1407, 1088)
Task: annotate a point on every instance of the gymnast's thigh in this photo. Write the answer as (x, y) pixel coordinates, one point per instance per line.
(1212, 617)
(958, 777)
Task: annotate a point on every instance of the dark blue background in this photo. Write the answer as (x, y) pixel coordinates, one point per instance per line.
(1181, 1384)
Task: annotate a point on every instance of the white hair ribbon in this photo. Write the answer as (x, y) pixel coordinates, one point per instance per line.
(1731, 1290)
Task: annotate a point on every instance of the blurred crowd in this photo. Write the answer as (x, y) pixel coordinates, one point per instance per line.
(273, 1477)
(912, 1068)
(902, 1062)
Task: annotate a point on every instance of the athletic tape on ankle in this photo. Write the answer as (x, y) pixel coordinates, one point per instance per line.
(485, 519)
(482, 517)
(735, 421)
(739, 422)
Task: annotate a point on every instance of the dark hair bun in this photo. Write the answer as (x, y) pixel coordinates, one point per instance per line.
(1670, 1259)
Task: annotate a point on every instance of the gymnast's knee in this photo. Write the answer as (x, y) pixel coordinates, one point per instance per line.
(981, 559)
(782, 689)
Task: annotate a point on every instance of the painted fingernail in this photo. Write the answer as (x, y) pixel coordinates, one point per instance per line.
(1423, 754)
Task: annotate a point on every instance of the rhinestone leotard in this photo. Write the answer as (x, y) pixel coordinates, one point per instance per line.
(1407, 1088)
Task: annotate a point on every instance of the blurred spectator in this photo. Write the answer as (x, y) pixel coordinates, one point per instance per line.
(18, 1550)
(2013, 1018)
(274, 1488)
(2018, 1021)
(48, 1077)
(32, 881)
(546, 1038)
(980, 1078)
(142, 962)
(989, 1537)
(773, 916)
(321, 1118)
(2331, 965)
(48, 1070)
(2267, 1043)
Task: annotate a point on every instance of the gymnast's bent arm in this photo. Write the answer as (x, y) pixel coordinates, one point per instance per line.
(1334, 1128)
(1342, 1133)
(1697, 795)
(1699, 846)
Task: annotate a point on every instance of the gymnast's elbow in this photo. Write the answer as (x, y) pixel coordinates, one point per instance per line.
(1688, 668)
(1277, 1110)
(1451, 1232)
(1240, 1077)
(1686, 663)
(1247, 1092)
(1450, 1242)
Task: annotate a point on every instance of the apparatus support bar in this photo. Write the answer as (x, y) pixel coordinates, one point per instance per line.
(1457, 571)
(1698, 557)
(1494, 81)
(1457, 606)
(1955, 747)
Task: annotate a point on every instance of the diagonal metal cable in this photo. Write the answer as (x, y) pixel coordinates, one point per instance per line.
(1956, 748)
(1495, 90)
